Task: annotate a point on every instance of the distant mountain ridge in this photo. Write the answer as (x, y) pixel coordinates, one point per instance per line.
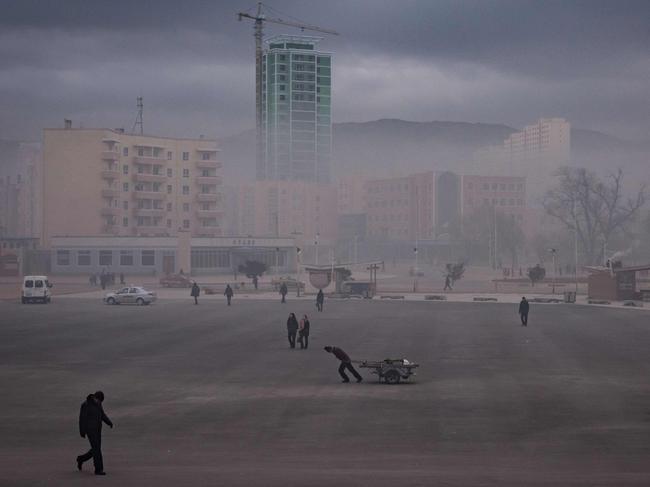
(400, 146)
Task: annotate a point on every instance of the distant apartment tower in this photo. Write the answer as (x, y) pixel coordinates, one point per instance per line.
(19, 189)
(296, 115)
(102, 182)
(534, 152)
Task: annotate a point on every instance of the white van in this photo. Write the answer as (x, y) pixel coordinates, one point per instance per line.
(36, 288)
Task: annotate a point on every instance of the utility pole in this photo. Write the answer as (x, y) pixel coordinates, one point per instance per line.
(316, 242)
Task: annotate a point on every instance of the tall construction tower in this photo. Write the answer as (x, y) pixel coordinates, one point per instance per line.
(259, 18)
(139, 122)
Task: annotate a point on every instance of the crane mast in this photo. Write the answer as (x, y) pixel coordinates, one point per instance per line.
(258, 32)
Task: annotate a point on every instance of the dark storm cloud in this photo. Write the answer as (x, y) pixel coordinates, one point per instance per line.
(501, 61)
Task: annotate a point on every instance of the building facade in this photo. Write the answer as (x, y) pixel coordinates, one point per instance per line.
(20, 189)
(101, 182)
(297, 106)
(417, 207)
(507, 194)
(153, 256)
(296, 209)
(534, 153)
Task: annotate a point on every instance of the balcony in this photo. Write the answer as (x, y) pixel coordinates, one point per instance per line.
(110, 174)
(207, 197)
(149, 195)
(110, 229)
(110, 155)
(149, 160)
(149, 178)
(111, 211)
(208, 232)
(110, 192)
(211, 164)
(209, 213)
(208, 180)
(150, 230)
(154, 212)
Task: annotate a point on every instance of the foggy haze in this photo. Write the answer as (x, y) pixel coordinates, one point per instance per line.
(505, 62)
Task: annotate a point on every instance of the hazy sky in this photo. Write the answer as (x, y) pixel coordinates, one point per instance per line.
(192, 61)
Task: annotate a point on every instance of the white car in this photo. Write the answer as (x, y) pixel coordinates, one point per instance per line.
(131, 295)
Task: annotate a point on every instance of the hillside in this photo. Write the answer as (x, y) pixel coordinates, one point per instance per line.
(398, 146)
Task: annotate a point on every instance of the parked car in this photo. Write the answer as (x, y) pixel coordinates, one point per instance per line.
(35, 289)
(291, 283)
(175, 280)
(130, 295)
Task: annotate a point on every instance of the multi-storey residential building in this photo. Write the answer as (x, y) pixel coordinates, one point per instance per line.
(296, 118)
(101, 182)
(534, 153)
(351, 194)
(507, 194)
(416, 207)
(295, 209)
(19, 189)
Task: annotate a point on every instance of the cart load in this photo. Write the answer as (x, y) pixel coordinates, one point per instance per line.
(391, 371)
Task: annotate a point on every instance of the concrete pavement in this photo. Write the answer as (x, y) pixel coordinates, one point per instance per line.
(211, 395)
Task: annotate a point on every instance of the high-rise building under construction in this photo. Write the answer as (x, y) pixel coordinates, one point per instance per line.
(297, 113)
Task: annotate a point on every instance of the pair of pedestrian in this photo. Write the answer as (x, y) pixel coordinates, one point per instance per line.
(294, 328)
(91, 417)
(320, 300)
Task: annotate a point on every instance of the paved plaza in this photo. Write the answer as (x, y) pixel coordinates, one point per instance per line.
(211, 395)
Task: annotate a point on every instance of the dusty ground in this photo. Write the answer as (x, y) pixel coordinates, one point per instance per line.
(210, 395)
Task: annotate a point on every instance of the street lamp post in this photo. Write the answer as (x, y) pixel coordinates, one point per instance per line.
(298, 253)
(415, 270)
(553, 253)
(316, 242)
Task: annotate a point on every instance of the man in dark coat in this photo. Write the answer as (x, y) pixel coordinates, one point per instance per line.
(292, 330)
(523, 311)
(303, 332)
(320, 299)
(91, 417)
(228, 293)
(283, 292)
(196, 290)
(346, 363)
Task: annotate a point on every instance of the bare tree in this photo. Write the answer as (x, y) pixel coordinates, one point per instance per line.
(593, 208)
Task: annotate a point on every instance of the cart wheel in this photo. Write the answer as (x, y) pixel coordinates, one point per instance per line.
(392, 377)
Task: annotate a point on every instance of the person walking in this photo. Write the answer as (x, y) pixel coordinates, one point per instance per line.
(255, 281)
(292, 329)
(524, 307)
(228, 293)
(447, 283)
(195, 292)
(121, 277)
(320, 299)
(283, 292)
(303, 332)
(346, 363)
(91, 417)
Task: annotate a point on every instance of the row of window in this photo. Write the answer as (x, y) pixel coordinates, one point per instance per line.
(170, 155)
(498, 186)
(125, 257)
(497, 202)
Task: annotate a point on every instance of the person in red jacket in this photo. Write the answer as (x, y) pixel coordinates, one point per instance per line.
(346, 363)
